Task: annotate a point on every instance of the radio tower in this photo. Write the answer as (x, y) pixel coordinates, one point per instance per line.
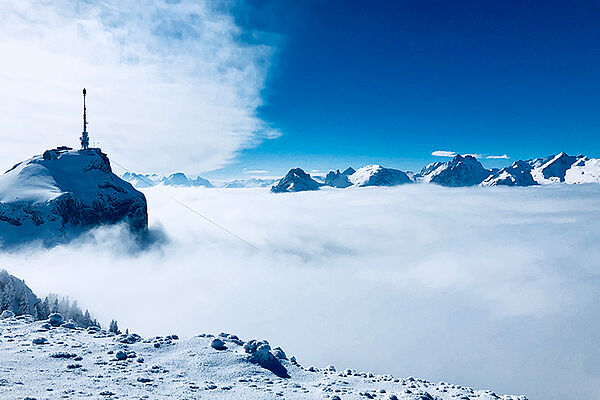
(85, 139)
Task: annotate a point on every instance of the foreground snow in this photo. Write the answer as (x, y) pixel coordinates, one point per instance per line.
(77, 363)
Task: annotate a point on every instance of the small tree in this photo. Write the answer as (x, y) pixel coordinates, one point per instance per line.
(114, 327)
(23, 304)
(55, 307)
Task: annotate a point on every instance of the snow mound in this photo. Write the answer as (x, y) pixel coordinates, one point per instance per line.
(61, 193)
(460, 171)
(296, 180)
(376, 175)
(78, 363)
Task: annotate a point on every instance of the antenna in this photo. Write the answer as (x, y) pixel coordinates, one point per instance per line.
(85, 139)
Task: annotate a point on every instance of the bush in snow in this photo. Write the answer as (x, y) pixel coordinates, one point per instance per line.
(218, 344)
(40, 340)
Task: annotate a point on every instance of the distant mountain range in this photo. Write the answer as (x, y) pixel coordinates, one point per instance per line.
(176, 179)
(179, 179)
(460, 171)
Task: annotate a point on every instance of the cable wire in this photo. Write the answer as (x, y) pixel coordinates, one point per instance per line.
(189, 208)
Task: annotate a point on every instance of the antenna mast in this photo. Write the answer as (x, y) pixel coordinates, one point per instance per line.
(85, 139)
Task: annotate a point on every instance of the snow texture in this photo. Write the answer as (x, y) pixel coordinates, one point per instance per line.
(58, 195)
(42, 362)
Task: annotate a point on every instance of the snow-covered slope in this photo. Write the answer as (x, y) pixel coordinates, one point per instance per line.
(376, 175)
(584, 170)
(559, 168)
(518, 174)
(460, 171)
(15, 295)
(552, 169)
(296, 180)
(62, 192)
(250, 183)
(39, 361)
(339, 179)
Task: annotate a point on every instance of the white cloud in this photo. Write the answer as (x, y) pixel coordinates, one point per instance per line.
(256, 171)
(170, 84)
(502, 157)
(443, 153)
(381, 280)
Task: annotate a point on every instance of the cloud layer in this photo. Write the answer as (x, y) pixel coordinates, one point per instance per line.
(163, 77)
(448, 153)
(492, 288)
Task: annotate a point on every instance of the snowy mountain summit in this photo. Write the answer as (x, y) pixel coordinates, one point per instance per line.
(296, 180)
(54, 360)
(339, 179)
(55, 196)
(376, 175)
(460, 171)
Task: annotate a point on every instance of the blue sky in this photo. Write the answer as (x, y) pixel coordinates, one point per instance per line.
(356, 82)
(222, 88)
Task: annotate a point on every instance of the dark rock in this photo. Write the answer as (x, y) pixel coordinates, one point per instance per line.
(218, 344)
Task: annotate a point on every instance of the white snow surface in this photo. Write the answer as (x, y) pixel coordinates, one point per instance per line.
(584, 170)
(187, 368)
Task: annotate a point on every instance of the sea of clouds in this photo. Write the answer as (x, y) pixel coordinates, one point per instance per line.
(492, 288)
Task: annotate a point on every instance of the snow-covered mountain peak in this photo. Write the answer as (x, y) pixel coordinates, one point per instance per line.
(552, 169)
(376, 175)
(460, 171)
(64, 191)
(339, 179)
(296, 180)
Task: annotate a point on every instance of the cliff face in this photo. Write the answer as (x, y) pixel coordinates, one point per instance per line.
(63, 192)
